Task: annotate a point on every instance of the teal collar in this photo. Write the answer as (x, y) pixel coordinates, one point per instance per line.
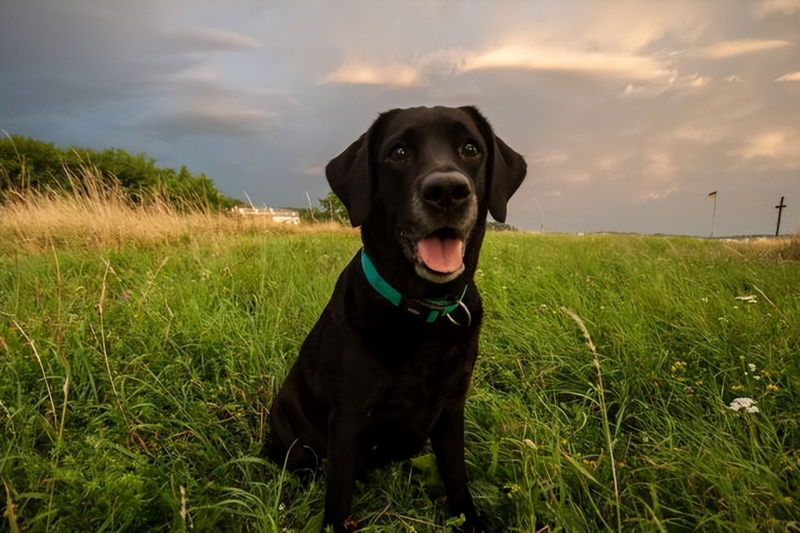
(432, 307)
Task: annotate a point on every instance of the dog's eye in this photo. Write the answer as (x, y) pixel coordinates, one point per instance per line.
(398, 153)
(470, 149)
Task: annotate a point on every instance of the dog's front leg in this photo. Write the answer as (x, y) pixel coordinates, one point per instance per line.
(447, 439)
(340, 474)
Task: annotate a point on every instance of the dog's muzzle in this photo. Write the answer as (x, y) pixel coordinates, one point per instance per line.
(445, 208)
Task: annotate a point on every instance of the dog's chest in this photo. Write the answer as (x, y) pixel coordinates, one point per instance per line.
(417, 389)
(402, 404)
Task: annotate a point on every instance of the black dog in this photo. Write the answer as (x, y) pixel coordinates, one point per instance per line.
(389, 361)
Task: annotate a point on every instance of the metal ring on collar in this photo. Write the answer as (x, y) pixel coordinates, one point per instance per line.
(466, 310)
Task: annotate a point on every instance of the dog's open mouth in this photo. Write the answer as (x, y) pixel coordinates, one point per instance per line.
(441, 251)
(439, 256)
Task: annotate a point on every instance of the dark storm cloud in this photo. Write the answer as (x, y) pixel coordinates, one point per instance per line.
(232, 124)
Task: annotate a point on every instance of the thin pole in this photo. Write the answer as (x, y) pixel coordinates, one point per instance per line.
(779, 207)
(713, 215)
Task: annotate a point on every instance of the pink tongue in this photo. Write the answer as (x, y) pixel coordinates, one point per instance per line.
(440, 255)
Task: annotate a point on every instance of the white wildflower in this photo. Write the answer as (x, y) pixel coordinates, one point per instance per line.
(751, 366)
(750, 298)
(748, 404)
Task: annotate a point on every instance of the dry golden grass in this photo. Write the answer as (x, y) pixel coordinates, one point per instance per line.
(98, 215)
(784, 247)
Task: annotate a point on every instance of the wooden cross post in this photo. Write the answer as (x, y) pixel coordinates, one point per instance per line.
(779, 207)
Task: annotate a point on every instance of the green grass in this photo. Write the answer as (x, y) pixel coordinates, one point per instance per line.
(135, 383)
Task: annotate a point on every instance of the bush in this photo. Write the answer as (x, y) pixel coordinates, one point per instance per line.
(26, 163)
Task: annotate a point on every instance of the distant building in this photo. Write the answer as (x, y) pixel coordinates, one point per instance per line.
(279, 216)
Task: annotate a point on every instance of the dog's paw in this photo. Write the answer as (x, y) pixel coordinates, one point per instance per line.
(350, 524)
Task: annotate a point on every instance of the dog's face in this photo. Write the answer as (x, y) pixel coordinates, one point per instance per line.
(431, 172)
(425, 178)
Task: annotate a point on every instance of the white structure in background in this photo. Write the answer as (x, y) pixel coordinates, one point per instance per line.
(279, 216)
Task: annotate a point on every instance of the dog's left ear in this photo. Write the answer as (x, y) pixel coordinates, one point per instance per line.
(506, 167)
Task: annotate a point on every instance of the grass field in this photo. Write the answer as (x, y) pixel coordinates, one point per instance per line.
(138, 358)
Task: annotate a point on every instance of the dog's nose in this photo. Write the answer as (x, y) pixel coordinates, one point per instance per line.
(445, 190)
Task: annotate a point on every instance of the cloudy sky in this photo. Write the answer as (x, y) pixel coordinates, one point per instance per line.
(628, 113)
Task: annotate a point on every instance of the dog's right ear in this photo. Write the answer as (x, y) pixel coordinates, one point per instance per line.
(349, 176)
(350, 173)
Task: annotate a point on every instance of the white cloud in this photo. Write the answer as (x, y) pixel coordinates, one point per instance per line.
(622, 65)
(779, 147)
(361, 73)
(794, 76)
(448, 62)
(692, 80)
(651, 90)
(736, 48)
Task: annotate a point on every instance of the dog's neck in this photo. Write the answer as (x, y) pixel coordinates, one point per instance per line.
(428, 309)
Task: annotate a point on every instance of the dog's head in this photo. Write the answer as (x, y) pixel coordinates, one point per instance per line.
(420, 181)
